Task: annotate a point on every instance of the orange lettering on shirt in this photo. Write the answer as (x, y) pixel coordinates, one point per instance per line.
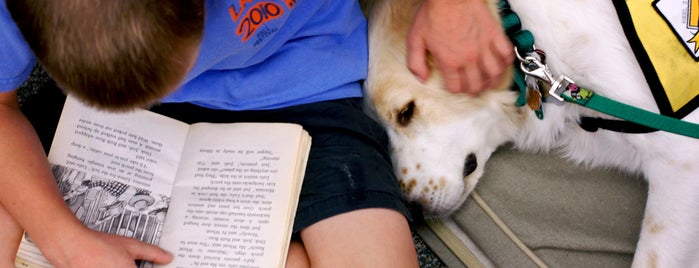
(290, 3)
(235, 14)
(257, 16)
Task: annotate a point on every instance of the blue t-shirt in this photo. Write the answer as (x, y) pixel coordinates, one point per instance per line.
(255, 54)
(16, 59)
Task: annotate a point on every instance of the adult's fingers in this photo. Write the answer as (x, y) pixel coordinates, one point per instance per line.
(454, 78)
(504, 48)
(473, 80)
(417, 57)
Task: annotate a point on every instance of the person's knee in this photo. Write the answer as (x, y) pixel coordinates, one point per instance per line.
(297, 257)
(374, 237)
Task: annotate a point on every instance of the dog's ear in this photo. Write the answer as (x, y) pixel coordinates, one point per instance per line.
(406, 113)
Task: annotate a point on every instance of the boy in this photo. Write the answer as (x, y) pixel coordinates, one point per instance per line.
(295, 61)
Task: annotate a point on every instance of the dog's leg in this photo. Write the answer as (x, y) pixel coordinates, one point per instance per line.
(670, 230)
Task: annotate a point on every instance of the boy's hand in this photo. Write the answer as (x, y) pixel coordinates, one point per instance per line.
(96, 249)
(467, 43)
(61, 237)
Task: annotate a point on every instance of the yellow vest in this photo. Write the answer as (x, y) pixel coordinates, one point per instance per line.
(664, 36)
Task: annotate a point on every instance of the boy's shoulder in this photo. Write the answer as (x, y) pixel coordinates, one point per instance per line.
(17, 58)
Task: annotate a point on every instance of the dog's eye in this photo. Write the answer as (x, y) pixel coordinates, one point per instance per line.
(406, 114)
(470, 164)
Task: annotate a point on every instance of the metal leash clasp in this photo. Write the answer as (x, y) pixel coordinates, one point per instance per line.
(532, 66)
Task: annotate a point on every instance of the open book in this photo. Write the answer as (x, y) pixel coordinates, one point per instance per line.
(215, 195)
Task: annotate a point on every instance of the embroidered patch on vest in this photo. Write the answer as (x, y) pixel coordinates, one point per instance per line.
(665, 39)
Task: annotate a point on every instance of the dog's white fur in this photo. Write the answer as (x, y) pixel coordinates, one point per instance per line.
(432, 137)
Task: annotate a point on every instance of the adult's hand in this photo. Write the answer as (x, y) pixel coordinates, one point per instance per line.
(466, 41)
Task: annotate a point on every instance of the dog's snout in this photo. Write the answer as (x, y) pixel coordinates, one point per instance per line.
(470, 164)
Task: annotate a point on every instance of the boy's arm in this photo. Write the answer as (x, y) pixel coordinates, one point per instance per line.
(10, 236)
(29, 195)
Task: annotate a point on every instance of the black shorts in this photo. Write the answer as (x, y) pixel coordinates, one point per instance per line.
(349, 166)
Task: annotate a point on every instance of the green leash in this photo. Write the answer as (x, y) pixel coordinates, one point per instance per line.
(564, 89)
(633, 114)
(523, 40)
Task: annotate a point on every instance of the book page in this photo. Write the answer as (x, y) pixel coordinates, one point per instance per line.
(236, 194)
(114, 170)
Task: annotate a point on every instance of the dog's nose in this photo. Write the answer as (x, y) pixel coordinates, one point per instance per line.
(470, 164)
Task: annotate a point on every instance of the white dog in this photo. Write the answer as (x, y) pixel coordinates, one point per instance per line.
(441, 141)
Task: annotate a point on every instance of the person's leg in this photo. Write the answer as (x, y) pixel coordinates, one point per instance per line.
(350, 209)
(351, 213)
(297, 257)
(10, 236)
(372, 237)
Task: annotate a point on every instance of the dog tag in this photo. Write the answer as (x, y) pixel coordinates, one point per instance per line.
(533, 99)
